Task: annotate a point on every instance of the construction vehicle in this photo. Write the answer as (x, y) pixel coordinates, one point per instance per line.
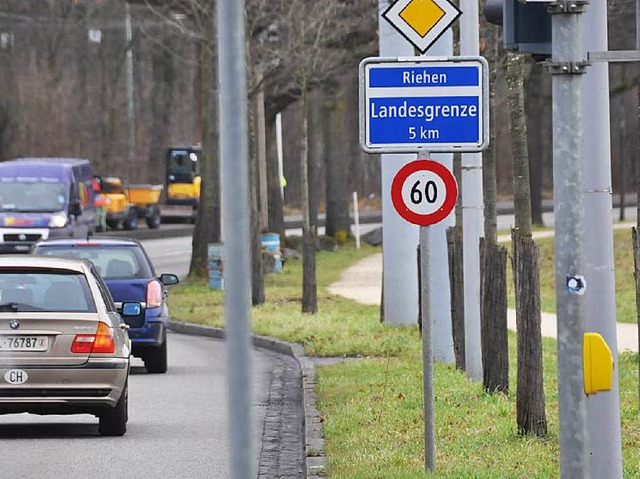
(125, 204)
(182, 193)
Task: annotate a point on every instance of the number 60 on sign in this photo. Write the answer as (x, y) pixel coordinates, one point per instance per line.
(424, 192)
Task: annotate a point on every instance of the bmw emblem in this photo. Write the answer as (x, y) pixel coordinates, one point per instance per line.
(14, 324)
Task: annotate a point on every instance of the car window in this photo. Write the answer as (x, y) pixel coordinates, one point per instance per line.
(51, 290)
(104, 292)
(111, 262)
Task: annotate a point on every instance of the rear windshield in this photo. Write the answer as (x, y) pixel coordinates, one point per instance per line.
(51, 290)
(112, 262)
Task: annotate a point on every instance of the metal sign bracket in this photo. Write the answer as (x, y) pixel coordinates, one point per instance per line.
(566, 68)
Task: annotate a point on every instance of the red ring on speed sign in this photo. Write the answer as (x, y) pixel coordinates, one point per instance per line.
(416, 188)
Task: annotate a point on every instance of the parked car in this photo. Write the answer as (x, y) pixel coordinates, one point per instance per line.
(44, 198)
(130, 276)
(63, 346)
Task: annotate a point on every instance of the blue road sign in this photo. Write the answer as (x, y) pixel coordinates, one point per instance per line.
(421, 103)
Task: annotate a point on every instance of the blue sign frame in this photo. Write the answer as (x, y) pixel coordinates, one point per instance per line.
(424, 103)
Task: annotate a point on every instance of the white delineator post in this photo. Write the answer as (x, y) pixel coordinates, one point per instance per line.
(399, 238)
(472, 212)
(356, 218)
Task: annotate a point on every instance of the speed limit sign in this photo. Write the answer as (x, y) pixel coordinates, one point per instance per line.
(424, 192)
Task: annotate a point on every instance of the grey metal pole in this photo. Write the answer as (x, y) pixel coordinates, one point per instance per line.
(472, 213)
(569, 233)
(603, 409)
(237, 240)
(427, 352)
(129, 74)
(427, 342)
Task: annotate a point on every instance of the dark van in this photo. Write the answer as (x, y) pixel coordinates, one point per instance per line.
(43, 198)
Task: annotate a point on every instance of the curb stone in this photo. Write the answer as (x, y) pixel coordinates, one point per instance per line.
(315, 459)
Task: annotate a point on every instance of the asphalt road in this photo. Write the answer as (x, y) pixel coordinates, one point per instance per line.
(177, 424)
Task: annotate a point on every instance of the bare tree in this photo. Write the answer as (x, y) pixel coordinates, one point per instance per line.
(530, 409)
(493, 257)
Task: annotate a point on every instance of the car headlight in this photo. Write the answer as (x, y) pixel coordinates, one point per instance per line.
(58, 220)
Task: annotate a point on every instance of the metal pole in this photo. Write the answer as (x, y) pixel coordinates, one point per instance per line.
(472, 213)
(569, 233)
(603, 409)
(427, 347)
(237, 240)
(356, 218)
(129, 73)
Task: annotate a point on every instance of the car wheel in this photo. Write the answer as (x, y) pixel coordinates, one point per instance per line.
(154, 221)
(114, 421)
(130, 223)
(156, 359)
(114, 224)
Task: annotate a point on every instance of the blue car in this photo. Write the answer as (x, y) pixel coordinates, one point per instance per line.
(130, 277)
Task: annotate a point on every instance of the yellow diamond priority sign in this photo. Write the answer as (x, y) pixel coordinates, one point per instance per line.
(422, 22)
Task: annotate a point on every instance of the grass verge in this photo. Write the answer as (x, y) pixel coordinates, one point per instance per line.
(372, 407)
(624, 280)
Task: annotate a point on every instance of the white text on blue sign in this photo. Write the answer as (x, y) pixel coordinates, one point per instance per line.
(434, 105)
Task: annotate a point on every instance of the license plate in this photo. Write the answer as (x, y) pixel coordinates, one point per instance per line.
(24, 343)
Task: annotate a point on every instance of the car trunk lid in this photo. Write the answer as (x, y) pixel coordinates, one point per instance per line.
(43, 339)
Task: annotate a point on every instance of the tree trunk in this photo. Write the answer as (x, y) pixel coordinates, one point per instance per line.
(163, 75)
(493, 258)
(257, 266)
(530, 414)
(623, 176)
(261, 154)
(535, 136)
(207, 229)
(636, 274)
(275, 201)
(309, 286)
(456, 283)
(494, 330)
(337, 183)
(530, 410)
(317, 146)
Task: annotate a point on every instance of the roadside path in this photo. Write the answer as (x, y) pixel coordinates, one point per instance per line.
(362, 282)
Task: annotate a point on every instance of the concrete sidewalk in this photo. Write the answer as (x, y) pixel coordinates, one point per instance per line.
(363, 283)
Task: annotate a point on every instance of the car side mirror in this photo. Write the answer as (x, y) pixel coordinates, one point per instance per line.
(75, 208)
(131, 309)
(169, 279)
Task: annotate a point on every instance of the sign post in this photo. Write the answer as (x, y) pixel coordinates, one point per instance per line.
(424, 192)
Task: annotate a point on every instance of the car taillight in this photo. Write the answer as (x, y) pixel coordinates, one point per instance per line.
(154, 294)
(101, 342)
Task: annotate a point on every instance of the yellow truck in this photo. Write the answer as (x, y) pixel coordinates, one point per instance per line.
(125, 204)
(182, 182)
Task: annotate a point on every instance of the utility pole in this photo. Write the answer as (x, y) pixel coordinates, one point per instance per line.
(567, 67)
(399, 238)
(234, 152)
(472, 212)
(129, 74)
(603, 409)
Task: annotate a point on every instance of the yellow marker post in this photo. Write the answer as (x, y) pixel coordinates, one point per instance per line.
(597, 364)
